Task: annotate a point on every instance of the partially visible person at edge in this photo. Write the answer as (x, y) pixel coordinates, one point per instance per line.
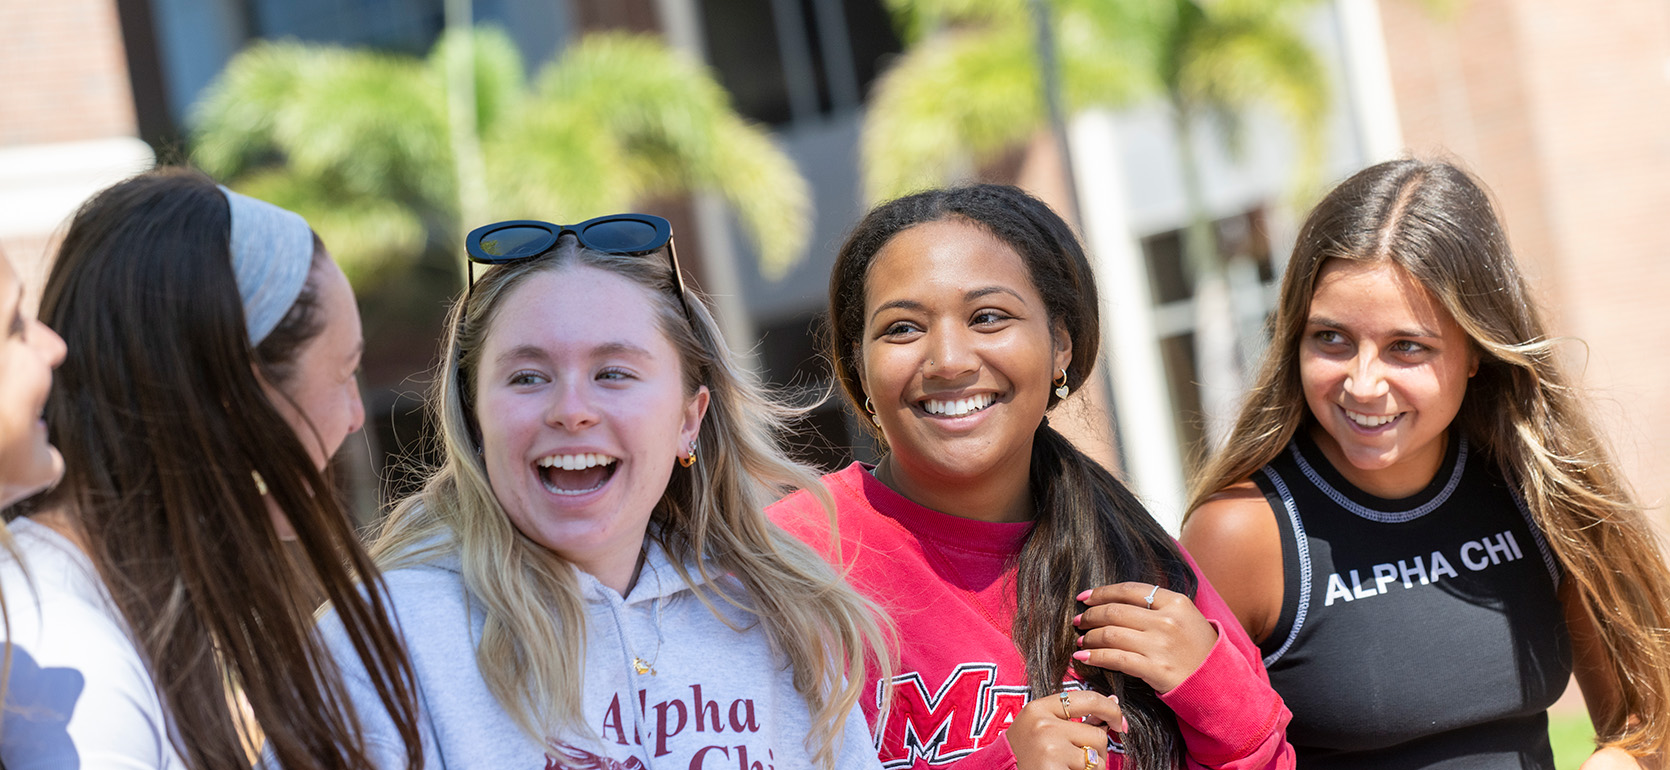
(1045, 619)
(29, 351)
(213, 348)
(588, 579)
(1413, 516)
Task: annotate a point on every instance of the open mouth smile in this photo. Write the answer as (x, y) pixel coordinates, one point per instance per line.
(960, 407)
(1370, 421)
(576, 474)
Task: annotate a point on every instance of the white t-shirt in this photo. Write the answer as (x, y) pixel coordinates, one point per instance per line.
(79, 693)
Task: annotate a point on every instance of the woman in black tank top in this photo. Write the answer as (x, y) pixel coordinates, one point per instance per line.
(1413, 516)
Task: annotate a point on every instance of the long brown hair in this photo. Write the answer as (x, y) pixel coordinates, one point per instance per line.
(161, 418)
(1090, 530)
(1437, 223)
(531, 652)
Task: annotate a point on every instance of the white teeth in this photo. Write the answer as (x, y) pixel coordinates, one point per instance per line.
(1369, 421)
(960, 406)
(575, 462)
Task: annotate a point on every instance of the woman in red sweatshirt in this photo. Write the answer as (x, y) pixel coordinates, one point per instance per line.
(1045, 621)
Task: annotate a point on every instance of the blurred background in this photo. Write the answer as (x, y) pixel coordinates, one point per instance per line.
(1185, 138)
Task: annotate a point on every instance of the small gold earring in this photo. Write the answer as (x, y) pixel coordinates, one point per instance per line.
(260, 483)
(871, 409)
(689, 459)
(1061, 390)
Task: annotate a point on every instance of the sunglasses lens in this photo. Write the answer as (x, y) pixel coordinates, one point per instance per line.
(516, 241)
(623, 236)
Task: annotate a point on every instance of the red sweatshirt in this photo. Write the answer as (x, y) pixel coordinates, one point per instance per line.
(949, 585)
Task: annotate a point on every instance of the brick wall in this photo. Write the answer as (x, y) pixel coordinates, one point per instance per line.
(1562, 108)
(63, 73)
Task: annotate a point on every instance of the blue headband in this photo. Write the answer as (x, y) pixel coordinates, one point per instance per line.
(272, 250)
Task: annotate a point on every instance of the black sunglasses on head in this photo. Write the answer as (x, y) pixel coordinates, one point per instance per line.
(628, 234)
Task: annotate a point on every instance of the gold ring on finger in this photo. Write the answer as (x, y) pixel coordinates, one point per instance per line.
(1066, 707)
(1091, 759)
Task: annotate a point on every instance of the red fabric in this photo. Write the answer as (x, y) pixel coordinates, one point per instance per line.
(949, 588)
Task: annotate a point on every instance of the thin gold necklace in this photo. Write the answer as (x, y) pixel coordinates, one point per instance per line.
(638, 663)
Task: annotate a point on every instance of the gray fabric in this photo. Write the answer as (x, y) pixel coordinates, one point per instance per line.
(272, 249)
(720, 697)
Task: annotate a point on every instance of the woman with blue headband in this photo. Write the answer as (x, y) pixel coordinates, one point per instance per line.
(214, 348)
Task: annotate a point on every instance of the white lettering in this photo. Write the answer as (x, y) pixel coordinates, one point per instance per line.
(1515, 544)
(1419, 571)
(1384, 574)
(1498, 548)
(1441, 565)
(1336, 590)
(1468, 547)
(1358, 589)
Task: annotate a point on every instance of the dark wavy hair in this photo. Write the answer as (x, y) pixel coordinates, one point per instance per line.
(1089, 529)
(161, 418)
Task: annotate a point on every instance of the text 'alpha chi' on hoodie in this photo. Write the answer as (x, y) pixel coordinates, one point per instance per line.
(718, 699)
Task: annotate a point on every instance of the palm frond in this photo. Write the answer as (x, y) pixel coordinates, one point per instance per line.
(959, 97)
(365, 234)
(675, 130)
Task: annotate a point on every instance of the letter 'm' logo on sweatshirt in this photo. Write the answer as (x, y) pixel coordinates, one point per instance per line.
(943, 723)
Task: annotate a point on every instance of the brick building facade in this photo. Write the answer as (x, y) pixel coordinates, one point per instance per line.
(1561, 106)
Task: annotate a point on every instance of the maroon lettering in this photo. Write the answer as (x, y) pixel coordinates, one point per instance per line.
(744, 764)
(743, 722)
(662, 731)
(705, 708)
(612, 721)
(696, 759)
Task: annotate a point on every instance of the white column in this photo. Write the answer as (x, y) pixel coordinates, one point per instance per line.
(1369, 77)
(1142, 400)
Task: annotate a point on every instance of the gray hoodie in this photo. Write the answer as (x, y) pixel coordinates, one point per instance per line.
(717, 698)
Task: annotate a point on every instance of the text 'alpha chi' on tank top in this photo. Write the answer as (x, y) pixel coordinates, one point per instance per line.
(1415, 633)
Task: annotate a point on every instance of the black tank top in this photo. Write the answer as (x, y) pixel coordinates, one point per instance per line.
(1415, 633)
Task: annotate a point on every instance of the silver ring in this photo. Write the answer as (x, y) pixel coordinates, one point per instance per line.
(1150, 597)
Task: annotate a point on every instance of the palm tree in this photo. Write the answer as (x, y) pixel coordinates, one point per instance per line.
(968, 89)
(359, 142)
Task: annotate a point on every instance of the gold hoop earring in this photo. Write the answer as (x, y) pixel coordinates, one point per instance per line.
(1060, 383)
(871, 409)
(689, 459)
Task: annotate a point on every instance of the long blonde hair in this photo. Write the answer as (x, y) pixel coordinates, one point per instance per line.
(1437, 223)
(531, 649)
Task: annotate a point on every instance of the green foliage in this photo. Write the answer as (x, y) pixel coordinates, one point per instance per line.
(1572, 736)
(970, 87)
(359, 142)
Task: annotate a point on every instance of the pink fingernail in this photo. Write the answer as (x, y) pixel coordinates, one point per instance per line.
(1083, 595)
(1081, 655)
(1080, 641)
(1124, 726)
(1077, 617)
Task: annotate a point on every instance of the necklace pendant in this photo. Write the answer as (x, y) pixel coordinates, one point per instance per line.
(642, 667)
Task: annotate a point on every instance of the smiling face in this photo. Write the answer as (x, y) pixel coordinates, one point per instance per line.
(957, 355)
(581, 405)
(29, 351)
(1384, 369)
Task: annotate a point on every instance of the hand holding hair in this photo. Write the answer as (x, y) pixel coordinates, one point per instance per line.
(1144, 631)
(1043, 737)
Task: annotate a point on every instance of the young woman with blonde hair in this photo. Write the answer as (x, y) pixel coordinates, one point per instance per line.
(589, 580)
(1414, 517)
